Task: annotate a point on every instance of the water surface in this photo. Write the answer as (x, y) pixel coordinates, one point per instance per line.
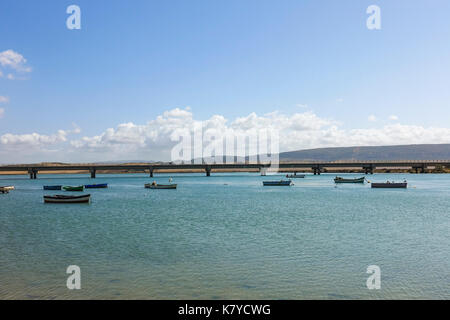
(227, 237)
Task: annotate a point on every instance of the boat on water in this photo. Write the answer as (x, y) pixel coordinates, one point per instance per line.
(67, 199)
(346, 180)
(77, 188)
(96, 186)
(390, 184)
(277, 183)
(9, 188)
(3, 190)
(160, 186)
(295, 176)
(52, 187)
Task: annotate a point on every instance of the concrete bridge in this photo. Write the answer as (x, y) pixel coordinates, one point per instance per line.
(317, 167)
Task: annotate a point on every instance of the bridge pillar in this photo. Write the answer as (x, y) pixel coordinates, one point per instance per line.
(208, 171)
(368, 169)
(263, 171)
(317, 170)
(421, 168)
(93, 172)
(151, 172)
(33, 174)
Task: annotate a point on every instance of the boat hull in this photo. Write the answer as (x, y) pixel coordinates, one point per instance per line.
(2, 190)
(295, 176)
(67, 199)
(343, 180)
(161, 186)
(79, 188)
(277, 183)
(9, 188)
(52, 187)
(403, 185)
(96, 186)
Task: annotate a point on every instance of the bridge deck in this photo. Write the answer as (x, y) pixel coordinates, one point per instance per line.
(150, 166)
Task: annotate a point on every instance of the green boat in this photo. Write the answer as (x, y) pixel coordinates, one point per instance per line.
(78, 188)
(343, 180)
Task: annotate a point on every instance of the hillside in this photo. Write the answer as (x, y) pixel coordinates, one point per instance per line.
(403, 152)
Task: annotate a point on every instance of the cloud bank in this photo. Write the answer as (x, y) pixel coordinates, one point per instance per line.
(155, 139)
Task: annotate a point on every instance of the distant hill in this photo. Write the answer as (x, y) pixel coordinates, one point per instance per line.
(404, 152)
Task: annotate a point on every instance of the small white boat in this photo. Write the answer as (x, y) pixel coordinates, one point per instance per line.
(160, 186)
(9, 188)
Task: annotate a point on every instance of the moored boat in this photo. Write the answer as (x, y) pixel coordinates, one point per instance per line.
(67, 199)
(346, 180)
(52, 187)
(160, 186)
(389, 184)
(277, 183)
(96, 186)
(295, 176)
(3, 190)
(9, 188)
(77, 188)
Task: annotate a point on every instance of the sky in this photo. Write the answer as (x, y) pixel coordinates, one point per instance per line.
(139, 72)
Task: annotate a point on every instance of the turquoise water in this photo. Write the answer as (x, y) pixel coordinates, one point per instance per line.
(227, 237)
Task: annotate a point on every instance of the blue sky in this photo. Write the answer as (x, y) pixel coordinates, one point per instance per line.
(134, 60)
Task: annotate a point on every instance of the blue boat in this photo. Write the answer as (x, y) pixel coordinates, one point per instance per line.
(96, 186)
(52, 187)
(277, 183)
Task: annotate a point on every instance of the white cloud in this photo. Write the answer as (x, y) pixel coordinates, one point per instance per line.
(339, 100)
(36, 140)
(297, 131)
(393, 118)
(14, 60)
(155, 139)
(301, 106)
(33, 139)
(372, 118)
(4, 99)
